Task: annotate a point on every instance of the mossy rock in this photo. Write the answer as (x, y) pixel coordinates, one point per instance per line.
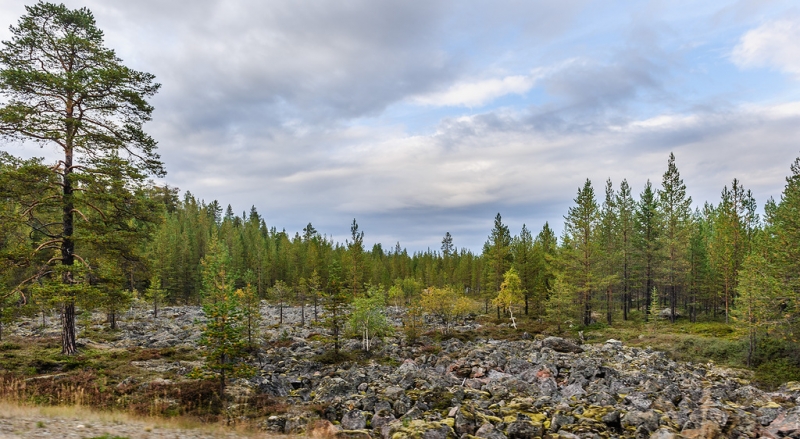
(353, 434)
(416, 429)
(494, 420)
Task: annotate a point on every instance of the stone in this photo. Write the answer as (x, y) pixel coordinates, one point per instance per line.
(394, 392)
(785, 424)
(664, 433)
(573, 390)
(352, 434)
(407, 366)
(712, 414)
(378, 421)
(354, 420)
(463, 424)
(559, 344)
(639, 401)
(383, 408)
(295, 425)
(707, 430)
(560, 420)
(648, 419)
(522, 429)
(275, 424)
(612, 419)
(331, 388)
(488, 431)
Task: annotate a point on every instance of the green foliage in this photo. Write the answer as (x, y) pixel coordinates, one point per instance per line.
(654, 310)
(223, 334)
(446, 304)
(249, 304)
(498, 257)
(63, 88)
(561, 307)
(510, 295)
(579, 254)
(367, 317)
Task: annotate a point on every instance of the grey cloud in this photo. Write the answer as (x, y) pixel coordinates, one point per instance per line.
(247, 62)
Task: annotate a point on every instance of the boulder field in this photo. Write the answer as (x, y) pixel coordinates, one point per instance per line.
(546, 387)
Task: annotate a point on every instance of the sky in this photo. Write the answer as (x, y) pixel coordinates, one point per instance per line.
(418, 118)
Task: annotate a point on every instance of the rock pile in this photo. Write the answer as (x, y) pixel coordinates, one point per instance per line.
(526, 389)
(536, 387)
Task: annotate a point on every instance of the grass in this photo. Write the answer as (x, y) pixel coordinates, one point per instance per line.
(89, 416)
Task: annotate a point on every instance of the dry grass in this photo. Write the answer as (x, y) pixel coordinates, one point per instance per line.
(12, 410)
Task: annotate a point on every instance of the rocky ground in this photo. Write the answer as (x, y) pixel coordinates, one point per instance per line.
(494, 389)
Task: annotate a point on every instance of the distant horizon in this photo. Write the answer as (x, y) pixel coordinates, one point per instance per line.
(421, 118)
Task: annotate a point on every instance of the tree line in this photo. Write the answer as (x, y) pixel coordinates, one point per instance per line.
(91, 230)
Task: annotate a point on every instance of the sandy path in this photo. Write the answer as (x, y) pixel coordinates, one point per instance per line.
(73, 423)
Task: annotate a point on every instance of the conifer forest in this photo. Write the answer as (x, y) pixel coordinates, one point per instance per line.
(101, 258)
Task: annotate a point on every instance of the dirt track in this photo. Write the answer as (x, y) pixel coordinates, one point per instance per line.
(19, 423)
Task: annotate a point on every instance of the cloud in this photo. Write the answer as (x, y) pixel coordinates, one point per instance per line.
(384, 110)
(478, 93)
(774, 44)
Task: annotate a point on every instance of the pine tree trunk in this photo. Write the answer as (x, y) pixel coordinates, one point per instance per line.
(526, 303)
(112, 319)
(222, 384)
(68, 345)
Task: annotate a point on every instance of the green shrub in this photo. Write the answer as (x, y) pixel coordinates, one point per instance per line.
(776, 372)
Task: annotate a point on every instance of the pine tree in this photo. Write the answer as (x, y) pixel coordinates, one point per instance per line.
(625, 232)
(525, 263)
(734, 222)
(608, 229)
(579, 255)
(498, 258)
(561, 306)
(544, 249)
(355, 251)
(648, 225)
(653, 310)
(223, 334)
(63, 87)
(250, 307)
(762, 299)
(675, 209)
(700, 273)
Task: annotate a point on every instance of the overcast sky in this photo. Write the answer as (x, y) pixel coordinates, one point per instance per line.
(423, 117)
